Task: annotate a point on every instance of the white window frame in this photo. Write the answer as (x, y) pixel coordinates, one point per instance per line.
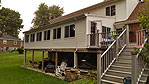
(4, 41)
(15, 42)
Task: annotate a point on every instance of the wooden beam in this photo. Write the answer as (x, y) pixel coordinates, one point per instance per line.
(56, 60)
(42, 60)
(99, 68)
(25, 57)
(33, 59)
(75, 60)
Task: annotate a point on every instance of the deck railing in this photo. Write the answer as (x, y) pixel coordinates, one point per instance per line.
(113, 51)
(137, 60)
(101, 39)
(140, 37)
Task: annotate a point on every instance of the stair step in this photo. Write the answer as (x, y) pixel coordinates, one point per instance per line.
(120, 68)
(109, 82)
(122, 64)
(118, 73)
(113, 78)
(126, 53)
(128, 50)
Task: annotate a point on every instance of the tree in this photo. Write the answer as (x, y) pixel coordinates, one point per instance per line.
(44, 14)
(55, 11)
(10, 22)
(144, 17)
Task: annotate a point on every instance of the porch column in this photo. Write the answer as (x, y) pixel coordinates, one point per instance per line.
(116, 47)
(56, 60)
(99, 68)
(25, 57)
(134, 69)
(42, 60)
(75, 60)
(127, 35)
(33, 59)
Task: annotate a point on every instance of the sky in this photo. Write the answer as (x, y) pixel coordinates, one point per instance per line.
(27, 8)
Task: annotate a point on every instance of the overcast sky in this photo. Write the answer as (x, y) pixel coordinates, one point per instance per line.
(27, 8)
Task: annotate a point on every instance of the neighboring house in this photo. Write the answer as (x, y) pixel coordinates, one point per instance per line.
(79, 35)
(9, 42)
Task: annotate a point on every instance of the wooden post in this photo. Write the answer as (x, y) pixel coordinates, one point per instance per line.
(127, 35)
(56, 60)
(134, 69)
(75, 60)
(25, 57)
(98, 68)
(42, 60)
(116, 47)
(33, 59)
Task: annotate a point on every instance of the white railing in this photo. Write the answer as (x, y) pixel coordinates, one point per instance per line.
(140, 37)
(113, 51)
(101, 39)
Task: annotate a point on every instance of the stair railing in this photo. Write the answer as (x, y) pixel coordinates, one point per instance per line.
(113, 51)
(137, 63)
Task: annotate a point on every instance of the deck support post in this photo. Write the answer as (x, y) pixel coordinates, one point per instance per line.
(127, 35)
(25, 57)
(42, 60)
(116, 47)
(33, 59)
(75, 60)
(56, 60)
(99, 68)
(134, 69)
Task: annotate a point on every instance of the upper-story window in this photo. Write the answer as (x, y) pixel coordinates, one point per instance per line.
(26, 38)
(70, 31)
(47, 35)
(39, 36)
(111, 11)
(15, 42)
(57, 33)
(32, 38)
(4, 41)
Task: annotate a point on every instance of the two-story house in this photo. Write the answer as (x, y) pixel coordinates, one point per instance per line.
(78, 35)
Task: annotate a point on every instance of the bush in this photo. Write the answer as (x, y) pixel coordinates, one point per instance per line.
(20, 50)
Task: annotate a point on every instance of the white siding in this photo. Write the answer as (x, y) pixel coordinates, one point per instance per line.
(78, 41)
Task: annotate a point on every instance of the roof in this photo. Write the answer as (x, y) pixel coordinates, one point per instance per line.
(134, 15)
(8, 37)
(77, 13)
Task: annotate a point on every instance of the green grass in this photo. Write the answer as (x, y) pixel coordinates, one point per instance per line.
(11, 71)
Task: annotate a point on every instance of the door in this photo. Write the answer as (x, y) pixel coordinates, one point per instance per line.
(93, 34)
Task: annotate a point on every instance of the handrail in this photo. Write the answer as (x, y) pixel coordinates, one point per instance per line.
(122, 33)
(108, 48)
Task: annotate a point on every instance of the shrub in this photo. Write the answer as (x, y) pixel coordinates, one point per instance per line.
(20, 50)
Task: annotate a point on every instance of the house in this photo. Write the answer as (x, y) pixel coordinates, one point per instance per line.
(9, 42)
(80, 35)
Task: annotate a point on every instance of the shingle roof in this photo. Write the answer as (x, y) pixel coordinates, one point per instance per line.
(8, 37)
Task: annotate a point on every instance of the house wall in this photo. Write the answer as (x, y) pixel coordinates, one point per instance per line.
(74, 42)
(120, 10)
(10, 44)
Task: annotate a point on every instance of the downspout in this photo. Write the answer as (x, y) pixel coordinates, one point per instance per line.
(75, 55)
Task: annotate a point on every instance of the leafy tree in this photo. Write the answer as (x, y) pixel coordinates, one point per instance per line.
(10, 22)
(44, 14)
(55, 11)
(144, 17)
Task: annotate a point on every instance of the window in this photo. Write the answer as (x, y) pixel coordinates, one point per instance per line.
(32, 38)
(15, 42)
(47, 35)
(70, 31)
(57, 33)
(4, 41)
(106, 32)
(110, 11)
(39, 36)
(26, 38)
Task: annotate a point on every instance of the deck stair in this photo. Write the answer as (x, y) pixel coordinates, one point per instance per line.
(122, 68)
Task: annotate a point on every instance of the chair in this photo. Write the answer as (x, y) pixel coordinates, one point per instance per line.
(60, 71)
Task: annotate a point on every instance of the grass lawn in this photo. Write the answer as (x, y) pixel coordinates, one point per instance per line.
(12, 73)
